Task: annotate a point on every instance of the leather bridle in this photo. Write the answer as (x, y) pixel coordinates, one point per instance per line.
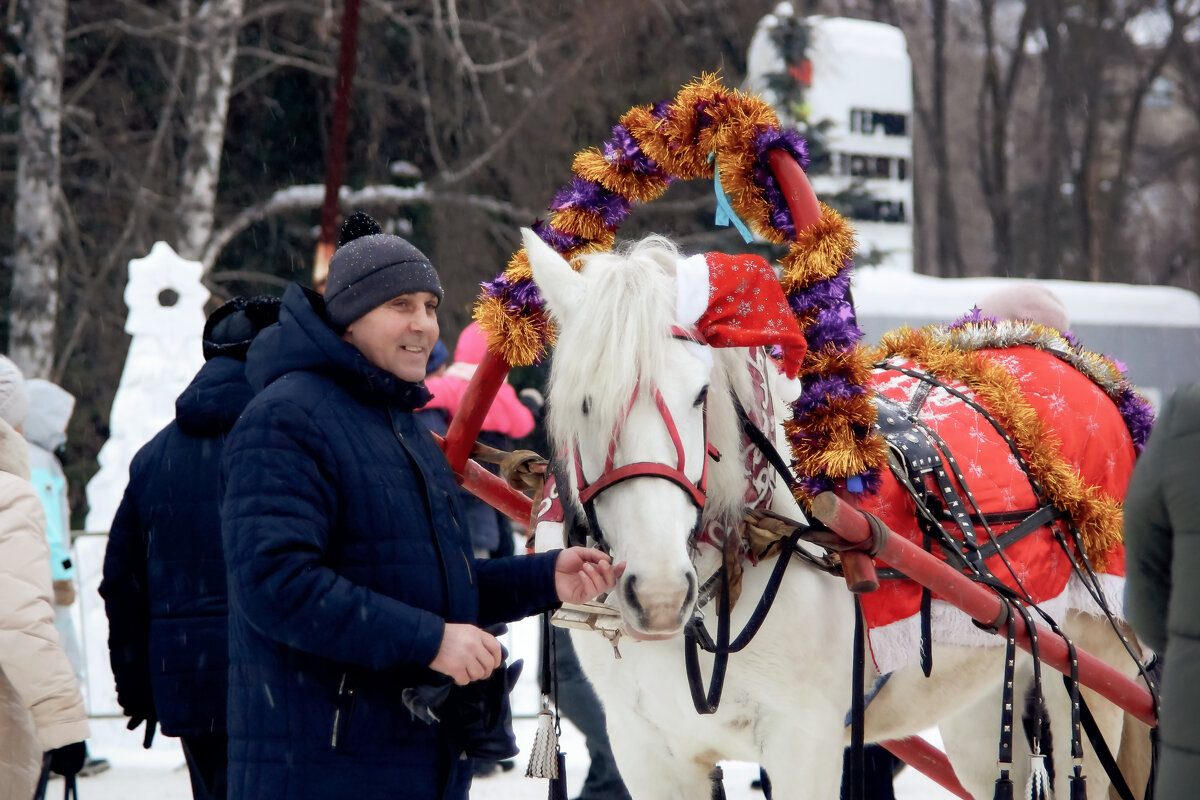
(611, 476)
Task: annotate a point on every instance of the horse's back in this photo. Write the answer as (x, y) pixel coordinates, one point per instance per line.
(1068, 428)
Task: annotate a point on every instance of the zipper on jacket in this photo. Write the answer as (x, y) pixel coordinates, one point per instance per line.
(341, 710)
(463, 553)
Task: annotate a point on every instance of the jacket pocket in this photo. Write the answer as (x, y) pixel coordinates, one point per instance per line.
(342, 706)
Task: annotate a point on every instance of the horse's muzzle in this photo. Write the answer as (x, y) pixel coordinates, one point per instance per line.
(657, 608)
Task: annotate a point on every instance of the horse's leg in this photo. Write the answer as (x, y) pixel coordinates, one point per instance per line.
(802, 760)
(1135, 757)
(909, 702)
(1097, 637)
(652, 770)
(972, 736)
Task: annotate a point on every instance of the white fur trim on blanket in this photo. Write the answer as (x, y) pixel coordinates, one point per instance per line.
(896, 645)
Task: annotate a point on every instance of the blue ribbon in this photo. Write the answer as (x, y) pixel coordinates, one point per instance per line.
(725, 213)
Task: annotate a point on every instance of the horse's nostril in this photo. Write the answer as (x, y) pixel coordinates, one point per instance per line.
(631, 594)
(690, 597)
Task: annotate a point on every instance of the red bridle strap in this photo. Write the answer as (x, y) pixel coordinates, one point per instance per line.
(646, 469)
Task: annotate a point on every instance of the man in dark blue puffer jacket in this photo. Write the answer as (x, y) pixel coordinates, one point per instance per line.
(351, 576)
(164, 574)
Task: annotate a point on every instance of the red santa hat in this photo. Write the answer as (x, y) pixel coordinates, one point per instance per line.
(736, 301)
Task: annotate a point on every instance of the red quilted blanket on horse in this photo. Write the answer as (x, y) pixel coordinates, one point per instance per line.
(1088, 434)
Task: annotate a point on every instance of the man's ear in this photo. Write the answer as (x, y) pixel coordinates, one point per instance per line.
(561, 286)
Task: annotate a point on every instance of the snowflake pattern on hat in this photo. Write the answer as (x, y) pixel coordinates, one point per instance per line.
(747, 308)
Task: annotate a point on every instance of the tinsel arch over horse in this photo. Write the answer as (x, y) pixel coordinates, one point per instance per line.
(1014, 379)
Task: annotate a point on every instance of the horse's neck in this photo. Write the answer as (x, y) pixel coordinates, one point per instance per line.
(750, 378)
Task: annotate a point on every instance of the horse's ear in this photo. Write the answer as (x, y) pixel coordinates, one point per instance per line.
(561, 286)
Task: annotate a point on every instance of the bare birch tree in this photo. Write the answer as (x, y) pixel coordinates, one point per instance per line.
(213, 50)
(36, 217)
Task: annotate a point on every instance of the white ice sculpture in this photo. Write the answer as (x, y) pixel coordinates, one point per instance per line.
(166, 320)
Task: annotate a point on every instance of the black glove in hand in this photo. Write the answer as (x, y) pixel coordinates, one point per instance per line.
(68, 759)
(151, 724)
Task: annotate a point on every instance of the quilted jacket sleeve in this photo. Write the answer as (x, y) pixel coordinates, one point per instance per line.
(516, 587)
(276, 517)
(30, 655)
(127, 602)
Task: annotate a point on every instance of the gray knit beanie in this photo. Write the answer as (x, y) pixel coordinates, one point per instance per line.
(368, 271)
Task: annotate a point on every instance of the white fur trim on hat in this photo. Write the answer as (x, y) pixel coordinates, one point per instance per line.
(691, 300)
(14, 400)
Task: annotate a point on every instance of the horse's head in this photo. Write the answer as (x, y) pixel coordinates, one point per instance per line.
(631, 416)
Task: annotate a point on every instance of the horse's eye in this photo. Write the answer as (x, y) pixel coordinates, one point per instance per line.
(587, 405)
(700, 398)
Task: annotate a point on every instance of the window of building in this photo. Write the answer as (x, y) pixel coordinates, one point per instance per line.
(865, 121)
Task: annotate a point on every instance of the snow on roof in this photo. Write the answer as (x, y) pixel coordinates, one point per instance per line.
(896, 293)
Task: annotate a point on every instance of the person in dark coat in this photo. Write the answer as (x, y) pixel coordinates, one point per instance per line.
(356, 606)
(1162, 594)
(164, 573)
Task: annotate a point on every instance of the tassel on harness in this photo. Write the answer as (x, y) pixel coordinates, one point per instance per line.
(542, 756)
(546, 760)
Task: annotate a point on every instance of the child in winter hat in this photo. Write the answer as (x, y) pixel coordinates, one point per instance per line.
(370, 268)
(230, 329)
(14, 399)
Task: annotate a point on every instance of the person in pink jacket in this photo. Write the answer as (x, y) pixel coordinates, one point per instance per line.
(506, 420)
(507, 416)
(42, 717)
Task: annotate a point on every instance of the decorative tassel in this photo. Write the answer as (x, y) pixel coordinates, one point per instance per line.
(717, 777)
(1004, 787)
(558, 784)
(1079, 786)
(544, 757)
(1038, 787)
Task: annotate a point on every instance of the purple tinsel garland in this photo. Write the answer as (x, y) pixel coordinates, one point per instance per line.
(822, 293)
(590, 196)
(822, 391)
(835, 322)
(561, 242)
(624, 151)
(834, 325)
(1139, 416)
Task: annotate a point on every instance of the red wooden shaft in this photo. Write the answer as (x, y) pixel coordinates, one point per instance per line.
(929, 761)
(801, 199)
(468, 420)
(335, 163)
(492, 489)
(495, 491)
(858, 569)
(985, 607)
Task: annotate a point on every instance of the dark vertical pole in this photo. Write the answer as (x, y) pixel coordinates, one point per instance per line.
(335, 161)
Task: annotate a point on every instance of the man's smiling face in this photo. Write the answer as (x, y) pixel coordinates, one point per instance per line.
(398, 335)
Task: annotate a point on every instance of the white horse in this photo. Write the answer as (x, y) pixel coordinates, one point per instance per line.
(622, 377)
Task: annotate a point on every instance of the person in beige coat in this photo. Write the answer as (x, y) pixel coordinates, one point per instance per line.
(41, 708)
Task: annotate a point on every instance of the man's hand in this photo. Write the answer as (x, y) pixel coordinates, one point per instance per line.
(582, 573)
(467, 653)
(151, 721)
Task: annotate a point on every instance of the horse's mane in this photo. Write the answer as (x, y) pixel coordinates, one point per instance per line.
(615, 336)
